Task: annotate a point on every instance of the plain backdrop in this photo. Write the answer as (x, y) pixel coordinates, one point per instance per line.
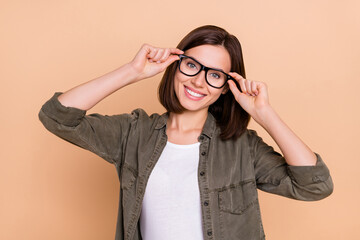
(306, 51)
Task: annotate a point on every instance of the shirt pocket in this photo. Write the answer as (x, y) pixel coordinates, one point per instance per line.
(236, 199)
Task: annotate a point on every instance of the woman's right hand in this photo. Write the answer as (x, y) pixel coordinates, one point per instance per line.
(150, 60)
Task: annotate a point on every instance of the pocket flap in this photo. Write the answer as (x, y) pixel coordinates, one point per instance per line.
(236, 199)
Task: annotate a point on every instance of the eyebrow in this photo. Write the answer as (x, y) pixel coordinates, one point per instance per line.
(203, 64)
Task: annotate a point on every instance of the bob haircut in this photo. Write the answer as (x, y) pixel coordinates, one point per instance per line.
(230, 116)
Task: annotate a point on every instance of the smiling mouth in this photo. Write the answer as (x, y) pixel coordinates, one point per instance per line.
(194, 94)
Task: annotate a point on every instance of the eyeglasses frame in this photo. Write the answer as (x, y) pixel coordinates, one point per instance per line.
(206, 69)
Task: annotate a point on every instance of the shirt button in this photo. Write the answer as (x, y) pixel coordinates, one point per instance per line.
(202, 173)
(206, 203)
(316, 179)
(203, 153)
(209, 233)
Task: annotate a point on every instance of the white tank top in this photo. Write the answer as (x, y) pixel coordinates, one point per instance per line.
(171, 207)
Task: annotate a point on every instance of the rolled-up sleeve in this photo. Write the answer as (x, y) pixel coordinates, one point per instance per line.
(100, 134)
(274, 175)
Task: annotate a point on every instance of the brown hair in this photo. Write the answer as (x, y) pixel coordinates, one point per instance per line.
(230, 116)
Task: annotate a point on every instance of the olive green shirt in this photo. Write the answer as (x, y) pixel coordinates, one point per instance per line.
(229, 172)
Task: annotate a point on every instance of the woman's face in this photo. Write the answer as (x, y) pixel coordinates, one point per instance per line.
(193, 92)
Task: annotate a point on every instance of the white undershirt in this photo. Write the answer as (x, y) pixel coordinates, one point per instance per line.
(171, 207)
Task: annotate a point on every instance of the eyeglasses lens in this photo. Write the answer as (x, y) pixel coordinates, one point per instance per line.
(191, 68)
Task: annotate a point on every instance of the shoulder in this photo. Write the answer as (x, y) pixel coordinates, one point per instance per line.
(252, 135)
(249, 135)
(249, 139)
(250, 132)
(140, 117)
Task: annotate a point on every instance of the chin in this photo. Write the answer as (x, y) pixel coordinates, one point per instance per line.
(193, 107)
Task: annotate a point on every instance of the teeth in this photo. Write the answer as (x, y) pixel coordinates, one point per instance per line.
(193, 93)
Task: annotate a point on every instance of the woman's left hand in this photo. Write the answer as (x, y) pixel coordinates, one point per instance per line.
(254, 96)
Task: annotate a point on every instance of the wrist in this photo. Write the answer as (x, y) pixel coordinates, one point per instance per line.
(129, 73)
(264, 115)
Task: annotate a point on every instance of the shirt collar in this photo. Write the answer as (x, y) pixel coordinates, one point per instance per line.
(208, 129)
(162, 121)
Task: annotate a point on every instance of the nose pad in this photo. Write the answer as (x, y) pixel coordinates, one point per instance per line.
(199, 79)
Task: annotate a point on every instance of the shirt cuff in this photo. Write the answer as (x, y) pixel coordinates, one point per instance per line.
(305, 175)
(68, 116)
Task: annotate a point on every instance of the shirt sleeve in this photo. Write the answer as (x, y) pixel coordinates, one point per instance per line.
(274, 175)
(101, 134)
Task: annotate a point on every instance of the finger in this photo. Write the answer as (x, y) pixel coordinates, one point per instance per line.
(147, 48)
(166, 52)
(243, 85)
(176, 51)
(254, 88)
(248, 86)
(235, 91)
(158, 55)
(152, 53)
(236, 79)
(240, 80)
(169, 60)
(165, 55)
(233, 87)
(144, 51)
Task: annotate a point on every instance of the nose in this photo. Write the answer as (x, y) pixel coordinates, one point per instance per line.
(199, 79)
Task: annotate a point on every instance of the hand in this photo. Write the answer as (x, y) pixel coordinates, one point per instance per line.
(254, 96)
(150, 60)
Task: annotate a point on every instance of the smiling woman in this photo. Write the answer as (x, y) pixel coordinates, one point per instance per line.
(193, 171)
(231, 117)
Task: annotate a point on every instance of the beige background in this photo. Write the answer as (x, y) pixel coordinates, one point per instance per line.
(306, 51)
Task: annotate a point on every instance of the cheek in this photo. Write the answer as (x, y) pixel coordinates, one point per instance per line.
(216, 95)
(179, 80)
(215, 91)
(179, 77)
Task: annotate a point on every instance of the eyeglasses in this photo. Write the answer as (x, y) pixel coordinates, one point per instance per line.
(214, 77)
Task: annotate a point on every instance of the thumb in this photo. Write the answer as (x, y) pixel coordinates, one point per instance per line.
(233, 88)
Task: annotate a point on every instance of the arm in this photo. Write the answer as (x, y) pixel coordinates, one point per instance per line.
(295, 151)
(65, 113)
(148, 62)
(300, 173)
(274, 175)
(254, 99)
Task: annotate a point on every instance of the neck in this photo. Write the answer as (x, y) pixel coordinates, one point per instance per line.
(187, 121)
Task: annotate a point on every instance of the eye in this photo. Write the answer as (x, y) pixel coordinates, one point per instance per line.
(191, 65)
(215, 75)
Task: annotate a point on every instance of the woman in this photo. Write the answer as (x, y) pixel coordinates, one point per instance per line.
(192, 172)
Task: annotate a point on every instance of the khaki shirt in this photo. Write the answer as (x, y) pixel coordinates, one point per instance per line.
(229, 172)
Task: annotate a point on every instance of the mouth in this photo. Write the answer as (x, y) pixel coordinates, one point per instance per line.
(193, 94)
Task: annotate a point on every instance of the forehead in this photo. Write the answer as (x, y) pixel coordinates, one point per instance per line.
(214, 56)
